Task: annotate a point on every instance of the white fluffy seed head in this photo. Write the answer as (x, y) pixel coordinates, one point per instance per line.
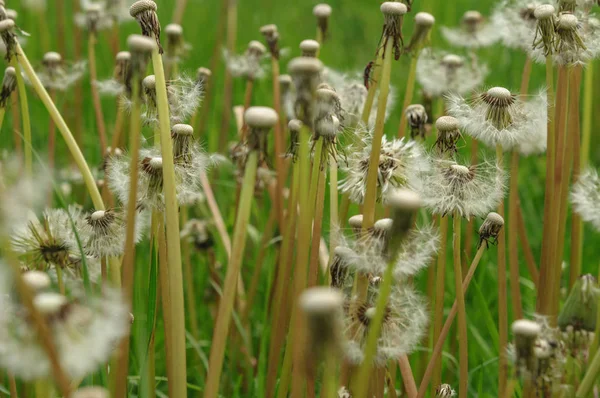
(123, 56)
(542, 350)
(424, 19)
(52, 57)
(305, 66)
(344, 252)
(49, 303)
(10, 72)
(203, 73)
(544, 11)
(260, 117)
(142, 6)
(156, 163)
(356, 221)
(174, 29)
(370, 312)
(446, 123)
(383, 225)
(526, 328)
(327, 94)
(6, 25)
(322, 10)
(494, 218)
(295, 125)
(321, 301)
(567, 21)
(182, 129)
(500, 93)
(97, 215)
(149, 82)
(37, 280)
(141, 44)
(91, 392)
(459, 169)
(393, 8)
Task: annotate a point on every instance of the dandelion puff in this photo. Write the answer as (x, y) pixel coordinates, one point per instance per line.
(116, 85)
(498, 117)
(440, 73)
(248, 65)
(85, 332)
(417, 251)
(515, 23)
(103, 233)
(585, 197)
(474, 32)
(404, 324)
(57, 74)
(94, 17)
(400, 162)
(287, 96)
(450, 188)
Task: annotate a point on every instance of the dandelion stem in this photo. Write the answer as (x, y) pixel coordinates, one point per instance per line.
(2, 112)
(188, 275)
(279, 144)
(116, 138)
(513, 252)
(313, 268)
(88, 178)
(529, 259)
(590, 378)
(129, 258)
(407, 376)
(95, 95)
(216, 213)
(179, 11)
(502, 293)
(462, 313)
(228, 88)
(51, 138)
(24, 114)
(408, 94)
(439, 343)
(334, 225)
(330, 376)
(16, 122)
(440, 287)
(366, 113)
(172, 233)
(12, 383)
(221, 330)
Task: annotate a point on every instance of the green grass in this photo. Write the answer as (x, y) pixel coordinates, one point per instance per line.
(355, 29)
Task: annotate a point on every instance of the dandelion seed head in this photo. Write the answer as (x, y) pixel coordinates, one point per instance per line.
(309, 48)
(174, 30)
(356, 222)
(444, 391)
(203, 75)
(322, 10)
(417, 251)
(142, 6)
(9, 84)
(260, 117)
(474, 32)
(544, 11)
(516, 23)
(140, 44)
(393, 8)
(12, 14)
(424, 19)
(36, 280)
(49, 304)
(416, 115)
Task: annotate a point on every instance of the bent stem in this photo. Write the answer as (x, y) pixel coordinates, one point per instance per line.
(175, 277)
(88, 178)
(221, 330)
(408, 95)
(24, 113)
(95, 95)
(439, 344)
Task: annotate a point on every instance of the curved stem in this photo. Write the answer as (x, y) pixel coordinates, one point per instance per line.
(88, 178)
(24, 115)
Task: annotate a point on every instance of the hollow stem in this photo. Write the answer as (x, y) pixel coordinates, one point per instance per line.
(462, 313)
(502, 293)
(95, 95)
(440, 288)
(366, 113)
(279, 144)
(408, 95)
(116, 138)
(16, 122)
(24, 115)
(330, 374)
(221, 330)
(407, 376)
(2, 112)
(172, 234)
(334, 225)
(439, 343)
(513, 251)
(313, 268)
(88, 178)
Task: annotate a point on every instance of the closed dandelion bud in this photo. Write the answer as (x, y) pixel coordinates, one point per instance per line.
(545, 28)
(323, 309)
(260, 119)
(36, 280)
(580, 308)
(499, 101)
(404, 205)
(472, 21)
(448, 134)
(272, 38)
(526, 333)
(490, 229)
(356, 223)
(444, 391)
(305, 73)
(183, 136)
(339, 270)
(421, 35)
(6, 32)
(9, 84)
(392, 28)
(309, 48)
(322, 12)
(203, 76)
(91, 392)
(294, 126)
(144, 11)
(567, 34)
(416, 115)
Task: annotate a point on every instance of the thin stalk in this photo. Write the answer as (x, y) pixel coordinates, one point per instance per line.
(12, 385)
(247, 102)
(330, 374)
(545, 266)
(172, 233)
(278, 319)
(469, 232)
(440, 288)
(279, 144)
(313, 268)
(16, 122)
(116, 138)
(51, 138)
(439, 344)
(513, 251)
(371, 184)
(590, 378)
(60, 26)
(129, 258)
(24, 114)
(221, 330)
(228, 88)
(408, 378)
(216, 213)
(529, 258)
(88, 178)
(188, 275)
(95, 95)
(366, 113)
(334, 225)
(2, 112)
(408, 94)
(179, 11)
(462, 313)
(502, 294)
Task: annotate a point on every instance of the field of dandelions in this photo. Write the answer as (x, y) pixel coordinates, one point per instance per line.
(282, 198)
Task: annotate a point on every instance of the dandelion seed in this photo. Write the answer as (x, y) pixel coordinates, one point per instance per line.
(585, 197)
(103, 233)
(473, 33)
(416, 252)
(309, 48)
(450, 188)
(417, 119)
(440, 74)
(400, 162)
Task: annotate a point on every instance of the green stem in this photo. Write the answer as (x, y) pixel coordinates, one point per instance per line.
(408, 95)
(590, 378)
(329, 376)
(440, 288)
(462, 313)
(2, 112)
(172, 233)
(88, 178)
(334, 225)
(502, 294)
(95, 95)
(221, 330)
(24, 113)
(366, 113)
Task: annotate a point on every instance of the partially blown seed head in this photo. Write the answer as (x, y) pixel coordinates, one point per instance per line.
(144, 11)
(416, 115)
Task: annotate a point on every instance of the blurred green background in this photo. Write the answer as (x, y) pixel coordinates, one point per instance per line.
(355, 28)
